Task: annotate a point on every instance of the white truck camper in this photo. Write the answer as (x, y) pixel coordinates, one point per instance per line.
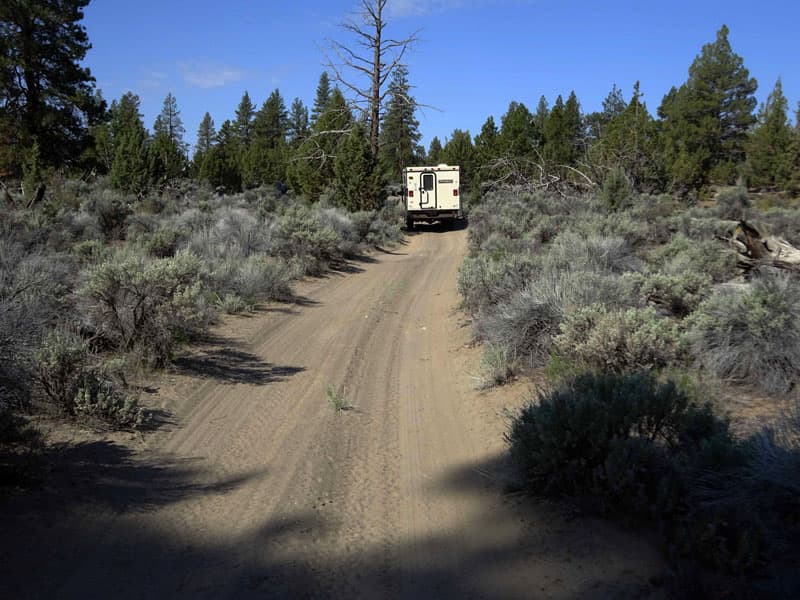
(432, 194)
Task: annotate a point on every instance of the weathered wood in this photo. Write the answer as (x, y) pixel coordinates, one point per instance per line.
(757, 250)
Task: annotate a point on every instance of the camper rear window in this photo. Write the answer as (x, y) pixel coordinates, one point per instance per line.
(427, 181)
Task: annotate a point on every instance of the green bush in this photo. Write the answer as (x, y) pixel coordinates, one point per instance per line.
(298, 232)
(149, 305)
(576, 439)
(751, 336)
(484, 282)
(680, 293)
(98, 398)
(232, 304)
(61, 363)
(163, 243)
(111, 210)
(524, 323)
(496, 367)
(616, 191)
(682, 255)
(618, 341)
(733, 204)
(256, 278)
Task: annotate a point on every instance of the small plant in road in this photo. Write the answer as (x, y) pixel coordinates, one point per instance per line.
(337, 399)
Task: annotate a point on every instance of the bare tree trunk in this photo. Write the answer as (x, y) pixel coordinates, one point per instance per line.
(375, 62)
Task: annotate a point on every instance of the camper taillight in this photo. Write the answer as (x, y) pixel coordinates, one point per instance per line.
(410, 193)
(455, 191)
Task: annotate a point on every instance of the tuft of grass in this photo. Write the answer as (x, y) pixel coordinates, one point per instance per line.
(337, 399)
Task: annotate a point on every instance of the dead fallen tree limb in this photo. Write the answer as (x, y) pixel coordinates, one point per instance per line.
(756, 250)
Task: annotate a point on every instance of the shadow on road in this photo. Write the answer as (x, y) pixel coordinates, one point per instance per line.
(228, 364)
(287, 555)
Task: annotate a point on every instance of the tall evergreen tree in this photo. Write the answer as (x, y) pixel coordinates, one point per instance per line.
(629, 142)
(706, 121)
(399, 136)
(266, 156)
(487, 142)
(242, 126)
(206, 138)
(613, 106)
(322, 98)
(563, 133)
(356, 176)
(129, 170)
(311, 168)
(518, 136)
(769, 147)
(221, 165)
(299, 126)
(459, 151)
(45, 93)
(794, 155)
(540, 117)
(435, 151)
(167, 152)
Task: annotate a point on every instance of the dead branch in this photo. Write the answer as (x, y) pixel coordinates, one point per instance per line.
(755, 250)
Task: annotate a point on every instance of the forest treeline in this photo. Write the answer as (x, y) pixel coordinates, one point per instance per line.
(707, 130)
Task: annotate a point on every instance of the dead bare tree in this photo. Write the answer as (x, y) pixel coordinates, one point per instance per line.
(366, 69)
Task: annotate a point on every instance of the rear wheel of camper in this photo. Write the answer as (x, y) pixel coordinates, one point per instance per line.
(409, 224)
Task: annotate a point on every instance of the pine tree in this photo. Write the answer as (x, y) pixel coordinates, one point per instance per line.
(167, 152)
(356, 177)
(242, 126)
(613, 106)
(563, 133)
(129, 170)
(629, 142)
(298, 128)
(265, 158)
(311, 167)
(322, 98)
(221, 163)
(706, 121)
(540, 117)
(435, 151)
(206, 136)
(399, 136)
(46, 96)
(769, 147)
(794, 156)
(459, 151)
(518, 137)
(487, 142)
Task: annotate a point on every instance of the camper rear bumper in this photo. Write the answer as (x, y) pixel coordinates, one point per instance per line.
(433, 215)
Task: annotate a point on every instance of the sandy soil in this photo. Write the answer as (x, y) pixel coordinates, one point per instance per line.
(255, 487)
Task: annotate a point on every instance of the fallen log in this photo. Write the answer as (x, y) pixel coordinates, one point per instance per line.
(756, 250)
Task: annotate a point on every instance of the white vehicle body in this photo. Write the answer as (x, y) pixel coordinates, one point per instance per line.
(432, 194)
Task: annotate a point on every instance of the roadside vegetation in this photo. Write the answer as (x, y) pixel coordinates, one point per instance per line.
(614, 271)
(640, 328)
(99, 287)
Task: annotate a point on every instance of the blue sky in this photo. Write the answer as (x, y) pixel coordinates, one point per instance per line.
(473, 58)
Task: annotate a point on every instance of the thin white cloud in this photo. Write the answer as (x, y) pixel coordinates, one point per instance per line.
(209, 75)
(152, 79)
(416, 8)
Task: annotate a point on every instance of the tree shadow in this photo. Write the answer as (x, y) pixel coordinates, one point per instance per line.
(286, 555)
(231, 365)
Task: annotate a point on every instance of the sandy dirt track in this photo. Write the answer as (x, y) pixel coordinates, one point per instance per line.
(256, 487)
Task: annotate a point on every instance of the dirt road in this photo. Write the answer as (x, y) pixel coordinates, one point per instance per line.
(258, 488)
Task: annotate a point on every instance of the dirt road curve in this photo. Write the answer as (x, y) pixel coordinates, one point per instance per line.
(258, 488)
